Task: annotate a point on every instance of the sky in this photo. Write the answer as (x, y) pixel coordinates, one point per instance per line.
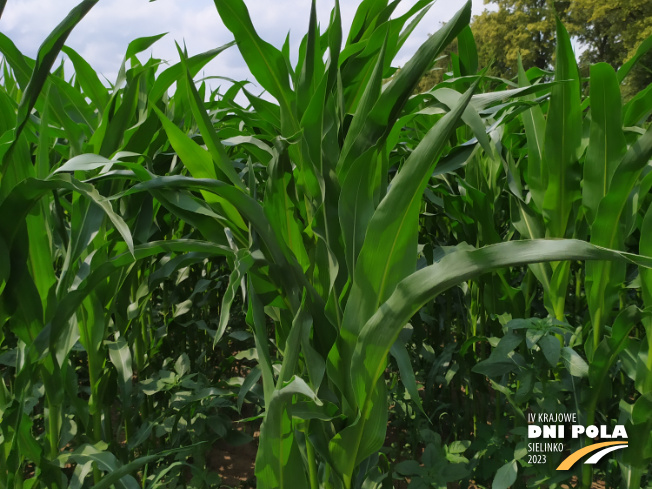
(103, 35)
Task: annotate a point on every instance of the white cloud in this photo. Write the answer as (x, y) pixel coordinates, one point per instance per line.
(103, 35)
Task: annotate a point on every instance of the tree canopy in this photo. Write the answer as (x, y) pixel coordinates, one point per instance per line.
(525, 27)
(611, 32)
(606, 31)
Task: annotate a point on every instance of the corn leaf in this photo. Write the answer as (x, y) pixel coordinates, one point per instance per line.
(388, 254)
(608, 231)
(264, 60)
(607, 142)
(390, 104)
(278, 462)
(382, 329)
(47, 55)
(563, 139)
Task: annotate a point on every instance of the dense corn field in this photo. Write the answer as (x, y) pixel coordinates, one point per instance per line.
(366, 286)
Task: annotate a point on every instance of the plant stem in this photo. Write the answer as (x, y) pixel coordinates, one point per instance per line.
(54, 426)
(312, 462)
(347, 481)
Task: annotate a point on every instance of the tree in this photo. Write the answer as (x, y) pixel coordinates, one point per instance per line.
(518, 26)
(607, 31)
(611, 32)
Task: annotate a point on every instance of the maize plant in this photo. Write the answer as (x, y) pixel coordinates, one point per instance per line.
(312, 197)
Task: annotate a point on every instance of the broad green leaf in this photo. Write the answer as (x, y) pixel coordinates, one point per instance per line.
(414, 23)
(388, 254)
(634, 363)
(256, 320)
(88, 79)
(334, 45)
(25, 195)
(40, 259)
(502, 360)
(609, 349)
(80, 474)
(244, 261)
(176, 72)
(369, 98)
(551, 348)
(400, 354)
(645, 248)
(136, 46)
(382, 329)
(21, 66)
(529, 224)
(106, 462)
(292, 346)
(471, 118)
(21, 300)
(488, 100)
(199, 164)
(356, 203)
(536, 175)
(310, 73)
(607, 142)
(281, 209)
(68, 107)
(642, 409)
(7, 113)
(182, 365)
(278, 462)
(110, 134)
(89, 162)
(390, 104)
(86, 221)
(248, 207)
(357, 59)
(214, 145)
(608, 231)
(505, 476)
(575, 364)
(563, 139)
(315, 364)
(119, 474)
(47, 55)
(268, 111)
(468, 52)
(141, 44)
(312, 123)
(26, 442)
(264, 60)
(365, 15)
(364, 437)
(120, 356)
(252, 378)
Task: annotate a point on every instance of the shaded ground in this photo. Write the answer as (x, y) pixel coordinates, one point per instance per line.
(574, 483)
(235, 465)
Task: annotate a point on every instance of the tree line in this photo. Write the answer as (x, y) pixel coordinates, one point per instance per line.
(604, 31)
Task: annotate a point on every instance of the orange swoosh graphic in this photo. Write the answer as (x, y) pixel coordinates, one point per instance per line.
(575, 456)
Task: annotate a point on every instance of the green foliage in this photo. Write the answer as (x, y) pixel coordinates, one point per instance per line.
(355, 255)
(608, 32)
(519, 27)
(612, 32)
